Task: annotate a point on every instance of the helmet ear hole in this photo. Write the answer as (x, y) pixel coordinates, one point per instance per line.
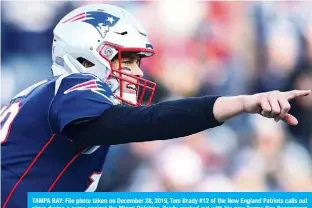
(84, 62)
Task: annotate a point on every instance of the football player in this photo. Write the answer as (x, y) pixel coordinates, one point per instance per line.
(55, 135)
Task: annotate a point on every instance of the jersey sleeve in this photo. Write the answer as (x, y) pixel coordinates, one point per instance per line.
(78, 97)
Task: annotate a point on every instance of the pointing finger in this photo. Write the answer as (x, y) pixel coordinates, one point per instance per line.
(296, 93)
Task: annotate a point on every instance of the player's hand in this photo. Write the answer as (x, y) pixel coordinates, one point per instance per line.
(274, 104)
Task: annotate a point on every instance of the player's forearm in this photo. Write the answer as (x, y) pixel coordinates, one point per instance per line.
(228, 107)
(166, 120)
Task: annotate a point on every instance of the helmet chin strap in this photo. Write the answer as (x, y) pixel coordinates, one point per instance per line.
(130, 97)
(115, 87)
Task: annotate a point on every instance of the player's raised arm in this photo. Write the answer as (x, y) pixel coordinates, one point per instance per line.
(172, 119)
(123, 124)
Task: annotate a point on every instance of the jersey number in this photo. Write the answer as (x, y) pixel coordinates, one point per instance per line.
(8, 113)
(95, 178)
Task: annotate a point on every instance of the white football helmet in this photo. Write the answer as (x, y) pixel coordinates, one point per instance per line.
(98, 33)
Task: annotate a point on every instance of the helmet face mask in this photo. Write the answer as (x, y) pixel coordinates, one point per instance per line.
(144, 88)
(99, 35)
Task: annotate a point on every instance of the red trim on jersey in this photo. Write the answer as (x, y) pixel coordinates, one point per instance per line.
(83, 86)
(27, 170)
(63, 171)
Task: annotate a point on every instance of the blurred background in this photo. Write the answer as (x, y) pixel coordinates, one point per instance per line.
(225, 48)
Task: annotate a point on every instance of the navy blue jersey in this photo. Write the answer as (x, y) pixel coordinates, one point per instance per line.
(36, 157)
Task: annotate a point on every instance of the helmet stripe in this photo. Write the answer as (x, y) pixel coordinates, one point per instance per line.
(83, 14)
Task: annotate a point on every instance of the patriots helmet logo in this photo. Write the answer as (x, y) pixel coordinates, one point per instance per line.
(101, 20)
